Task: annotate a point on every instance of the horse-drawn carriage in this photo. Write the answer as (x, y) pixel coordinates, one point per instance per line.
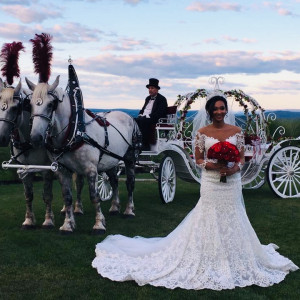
(265, 159)
(49, 118)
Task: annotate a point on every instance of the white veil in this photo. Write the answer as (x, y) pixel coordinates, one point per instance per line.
(201, 119)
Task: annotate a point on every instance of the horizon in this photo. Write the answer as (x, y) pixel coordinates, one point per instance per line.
(116, 46)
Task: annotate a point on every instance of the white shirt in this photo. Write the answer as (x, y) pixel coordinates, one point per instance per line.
(148, 108)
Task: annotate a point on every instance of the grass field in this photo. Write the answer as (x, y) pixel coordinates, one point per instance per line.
(41, 264)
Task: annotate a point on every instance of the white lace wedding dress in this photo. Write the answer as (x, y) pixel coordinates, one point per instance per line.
(214, 247)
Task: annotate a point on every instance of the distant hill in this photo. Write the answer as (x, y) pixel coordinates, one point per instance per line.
(281, 114)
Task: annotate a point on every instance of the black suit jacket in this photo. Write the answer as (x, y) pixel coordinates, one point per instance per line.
(159, 109)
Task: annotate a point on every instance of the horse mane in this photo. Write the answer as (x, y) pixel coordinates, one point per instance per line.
(41, 90)
(7, 94)
(42, 55)
(10, 59)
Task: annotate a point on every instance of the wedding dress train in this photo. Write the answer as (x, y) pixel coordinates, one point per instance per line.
(214, 247)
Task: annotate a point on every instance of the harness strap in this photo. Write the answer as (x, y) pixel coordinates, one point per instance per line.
(103, 150)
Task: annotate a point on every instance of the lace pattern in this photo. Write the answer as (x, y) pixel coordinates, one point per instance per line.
(240, 141)
(214, 247)
(200, 142)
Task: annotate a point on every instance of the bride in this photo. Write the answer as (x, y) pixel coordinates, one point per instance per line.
(215, 246)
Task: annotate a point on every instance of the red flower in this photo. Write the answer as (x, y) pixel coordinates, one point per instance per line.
(224, 152)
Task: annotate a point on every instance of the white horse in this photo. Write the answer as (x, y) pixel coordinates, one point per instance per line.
(15, 112)
(51, 120)
(14, 120)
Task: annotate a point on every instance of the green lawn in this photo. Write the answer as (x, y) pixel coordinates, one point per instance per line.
(41, 264)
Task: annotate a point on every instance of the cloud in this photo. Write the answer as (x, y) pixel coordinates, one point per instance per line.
(229, 39)
(237, 40)
(172, 65)
(65, 33)
(75, 33)
(133, 2)
(28, 15)
(127, 44)
(211, 41)
(12, 2)
(280, 9)
(204, 6)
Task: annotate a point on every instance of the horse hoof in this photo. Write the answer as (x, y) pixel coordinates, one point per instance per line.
(65, 232)
(114, 213)
(129, 216)
(76, 213)
(28, 227)
(47, 227)
(98, 231)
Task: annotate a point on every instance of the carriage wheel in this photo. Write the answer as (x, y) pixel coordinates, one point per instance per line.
(167, 180)
(103, 187)
(283, 172)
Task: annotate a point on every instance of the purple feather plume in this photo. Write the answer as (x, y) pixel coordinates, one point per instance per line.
(10, 60)
(42, 55)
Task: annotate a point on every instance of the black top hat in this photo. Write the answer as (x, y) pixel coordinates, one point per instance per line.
(153, 82)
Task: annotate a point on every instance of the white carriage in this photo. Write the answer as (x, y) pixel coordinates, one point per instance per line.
(266, 160)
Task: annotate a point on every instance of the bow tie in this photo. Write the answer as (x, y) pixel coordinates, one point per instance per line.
(152, 98)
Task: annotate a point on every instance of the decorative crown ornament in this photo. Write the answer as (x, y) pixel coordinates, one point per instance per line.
(216, 81)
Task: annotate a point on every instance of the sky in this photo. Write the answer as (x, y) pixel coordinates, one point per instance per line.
(117, 45)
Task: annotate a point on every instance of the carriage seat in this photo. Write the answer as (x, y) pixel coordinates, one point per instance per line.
(164, 124)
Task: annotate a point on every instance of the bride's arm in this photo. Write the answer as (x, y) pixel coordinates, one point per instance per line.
(237, 166)
(199, 154)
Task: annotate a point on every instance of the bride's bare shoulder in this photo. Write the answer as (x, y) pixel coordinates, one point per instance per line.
(204, 130)
(234, 129)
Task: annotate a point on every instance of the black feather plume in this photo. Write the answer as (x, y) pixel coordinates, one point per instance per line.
(42, 55)
(10, 60)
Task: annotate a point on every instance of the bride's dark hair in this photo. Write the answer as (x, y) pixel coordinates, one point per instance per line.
(210, 104)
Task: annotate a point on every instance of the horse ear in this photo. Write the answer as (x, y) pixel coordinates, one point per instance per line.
(18, 88)
(1, 85)
(54, 84)
(30, 84)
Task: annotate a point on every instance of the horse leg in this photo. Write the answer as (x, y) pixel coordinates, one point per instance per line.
(78, 211)
(29, 222)
(99, 227)
(130, 181)
(66, 187)
(47, 197)
(114, 183)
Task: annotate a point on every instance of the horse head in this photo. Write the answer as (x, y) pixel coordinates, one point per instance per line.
(44, 102)
(10, 110)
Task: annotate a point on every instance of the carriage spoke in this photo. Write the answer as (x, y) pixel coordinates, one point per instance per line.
(167, 180)
(282, 181)
(278, 167)
(278, 172)
(280, 178)
(298, 163)
(285, 186)
(290, 186)
(295, 187)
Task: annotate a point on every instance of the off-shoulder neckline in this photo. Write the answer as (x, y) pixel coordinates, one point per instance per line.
(236, 134)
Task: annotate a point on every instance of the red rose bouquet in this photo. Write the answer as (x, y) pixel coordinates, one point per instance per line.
(224, 152)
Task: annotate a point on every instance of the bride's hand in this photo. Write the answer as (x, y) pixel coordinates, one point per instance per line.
(229, 171)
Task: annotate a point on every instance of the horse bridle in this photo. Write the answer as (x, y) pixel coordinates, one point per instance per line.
(39, 102)
(19, 110)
